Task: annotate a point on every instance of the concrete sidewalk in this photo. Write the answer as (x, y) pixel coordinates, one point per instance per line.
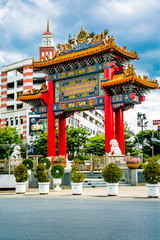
(125, 192)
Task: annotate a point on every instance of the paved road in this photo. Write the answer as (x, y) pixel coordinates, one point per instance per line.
(76, 219)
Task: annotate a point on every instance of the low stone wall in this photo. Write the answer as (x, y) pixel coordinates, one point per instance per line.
(65, 181)
(7, 181)
(133, 177)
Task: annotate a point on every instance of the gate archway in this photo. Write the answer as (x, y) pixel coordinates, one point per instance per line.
(88, 72)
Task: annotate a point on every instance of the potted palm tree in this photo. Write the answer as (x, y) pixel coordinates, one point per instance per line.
(151, 175)
(112, 175)
(77, 178)
(21, 175)
(29, 164)
(57, 173)
(42, 178)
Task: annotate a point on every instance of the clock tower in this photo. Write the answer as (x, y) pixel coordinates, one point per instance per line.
(47, 51)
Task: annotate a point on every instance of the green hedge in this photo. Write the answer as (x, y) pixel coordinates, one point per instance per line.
(57, 171)
(151, 172)
(46, 162)
(28, 163)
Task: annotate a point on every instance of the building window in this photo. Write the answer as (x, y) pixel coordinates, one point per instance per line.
(21, 120)
(42, 54)
(10, 108)
(16, 121)
(7, 122)
(11, 121)
(93, 132)
(19, 106)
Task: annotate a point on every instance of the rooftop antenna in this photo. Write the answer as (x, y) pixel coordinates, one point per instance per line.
(47, 25)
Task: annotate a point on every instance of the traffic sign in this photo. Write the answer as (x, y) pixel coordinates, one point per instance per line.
(156, 122)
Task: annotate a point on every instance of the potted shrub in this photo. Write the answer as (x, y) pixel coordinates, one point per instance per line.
(112, 175)
(42, 178)
(21, 175)
(57, 173)
(29, 164)
(77, 178)
(151, 174)
(46, 162)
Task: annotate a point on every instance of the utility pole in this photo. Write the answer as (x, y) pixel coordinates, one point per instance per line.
(152, 143)
(140, 118)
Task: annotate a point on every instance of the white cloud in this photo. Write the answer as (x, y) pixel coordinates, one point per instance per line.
(3, 12)
(130, 19)
(151, 107)
(29, 18)
(10, 57)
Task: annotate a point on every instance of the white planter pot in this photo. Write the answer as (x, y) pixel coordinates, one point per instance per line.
(57, 182)
(153, 190)
(29, 171)
(76, 188)
(112, 189)
(43, 187)
(20, 187)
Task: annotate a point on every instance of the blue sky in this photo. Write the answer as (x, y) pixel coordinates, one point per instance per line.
(133, 23)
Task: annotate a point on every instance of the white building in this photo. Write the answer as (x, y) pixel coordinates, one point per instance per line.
(19, 77)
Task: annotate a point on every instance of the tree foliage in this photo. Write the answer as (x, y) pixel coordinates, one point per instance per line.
(8, 137)
(41, 144)
(147, 134)
(129, 142)
(76, 138)
(96, 145)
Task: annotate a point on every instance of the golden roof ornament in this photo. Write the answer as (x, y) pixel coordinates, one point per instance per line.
(82, 36)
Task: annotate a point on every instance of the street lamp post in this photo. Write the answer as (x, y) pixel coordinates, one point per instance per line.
(138, 145)
(140, 123)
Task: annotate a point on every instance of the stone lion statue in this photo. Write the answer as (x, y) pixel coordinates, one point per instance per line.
(16, 153)
(115, 150)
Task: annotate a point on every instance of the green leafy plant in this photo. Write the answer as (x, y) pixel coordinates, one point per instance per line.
(142, 165)
(112, 173)
(28, 163)
(46, 162)
(60, 159)
(151, 172)
(21, 173)
(76, 160)
(41, 175)
(76, 176)
(81, 161)
(57, 171)
(154, 158)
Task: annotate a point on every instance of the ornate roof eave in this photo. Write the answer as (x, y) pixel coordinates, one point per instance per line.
(108, 46)
(33, 97)
(129, 77)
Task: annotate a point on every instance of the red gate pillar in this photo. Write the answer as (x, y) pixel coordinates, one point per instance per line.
(62, 149)
(119, 128)
(108, 112)
(51, 150)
